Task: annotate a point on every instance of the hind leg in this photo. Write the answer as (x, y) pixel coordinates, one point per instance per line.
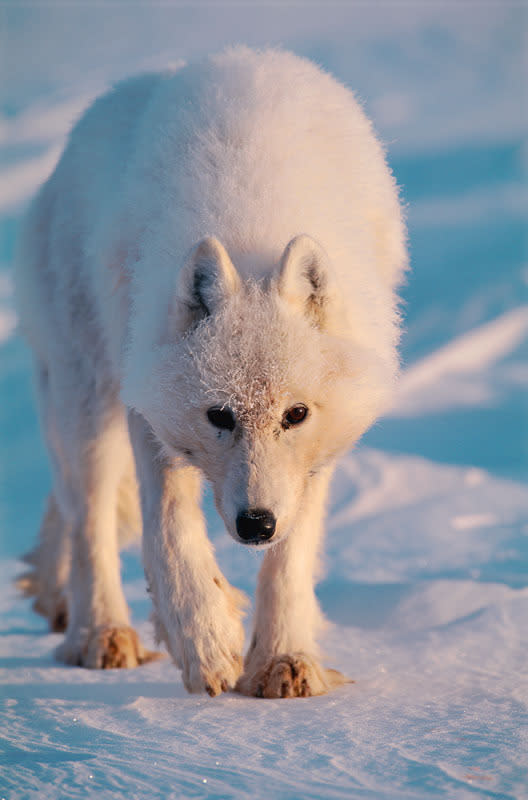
(48, 576)
(90, 452)
(99, 634)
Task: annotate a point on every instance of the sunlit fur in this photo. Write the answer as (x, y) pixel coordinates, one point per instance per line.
(225, 235)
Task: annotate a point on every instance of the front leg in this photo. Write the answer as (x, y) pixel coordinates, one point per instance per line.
(282, 660)
(196, 612)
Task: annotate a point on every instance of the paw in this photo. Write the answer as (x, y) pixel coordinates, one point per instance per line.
(296, 675)
(209, 648)
(108, 647)
(58, 618)
(50, 602)
(211, 659)
(219, 676)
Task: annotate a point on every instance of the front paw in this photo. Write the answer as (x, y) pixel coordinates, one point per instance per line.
(214, 672)
(296, 675)
(208, 646)
(107, 647)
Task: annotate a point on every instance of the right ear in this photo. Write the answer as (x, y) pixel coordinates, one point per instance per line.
(207, 280)
(304, 279)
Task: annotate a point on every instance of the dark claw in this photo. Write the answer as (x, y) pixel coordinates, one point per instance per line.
(60, 622)
(223, 685)
(210, 691)
(284, 689)
(260, 691)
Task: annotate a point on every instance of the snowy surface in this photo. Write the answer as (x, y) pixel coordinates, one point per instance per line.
(427, 551)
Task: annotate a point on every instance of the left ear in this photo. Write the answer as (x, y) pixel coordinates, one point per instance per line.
(304, 278)
(207, 279)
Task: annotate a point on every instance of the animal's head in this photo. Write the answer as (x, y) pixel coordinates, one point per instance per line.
(259, 385)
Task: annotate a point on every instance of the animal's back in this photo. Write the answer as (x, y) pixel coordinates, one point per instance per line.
(57, 238)
(255, 148)
(251, 147)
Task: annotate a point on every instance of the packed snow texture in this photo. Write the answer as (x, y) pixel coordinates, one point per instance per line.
(426, 563)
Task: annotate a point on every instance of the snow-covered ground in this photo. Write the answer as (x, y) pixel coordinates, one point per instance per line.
(426, 580)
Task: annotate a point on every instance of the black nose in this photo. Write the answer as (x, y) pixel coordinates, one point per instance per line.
(255, 525)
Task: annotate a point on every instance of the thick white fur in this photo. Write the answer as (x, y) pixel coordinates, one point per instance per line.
(225, 235)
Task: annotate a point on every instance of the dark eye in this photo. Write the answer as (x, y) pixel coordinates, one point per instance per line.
(222, 418)
(294, 415)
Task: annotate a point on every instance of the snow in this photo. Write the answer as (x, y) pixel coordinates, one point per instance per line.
(460, 373)
(427, 550)
(20, 180)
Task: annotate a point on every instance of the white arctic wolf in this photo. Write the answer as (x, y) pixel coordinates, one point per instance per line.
(207, 282)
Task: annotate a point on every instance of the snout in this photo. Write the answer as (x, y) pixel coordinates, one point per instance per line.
(255, 525)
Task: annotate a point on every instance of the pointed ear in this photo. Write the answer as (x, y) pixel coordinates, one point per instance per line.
(304, 278)
(207, 279)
